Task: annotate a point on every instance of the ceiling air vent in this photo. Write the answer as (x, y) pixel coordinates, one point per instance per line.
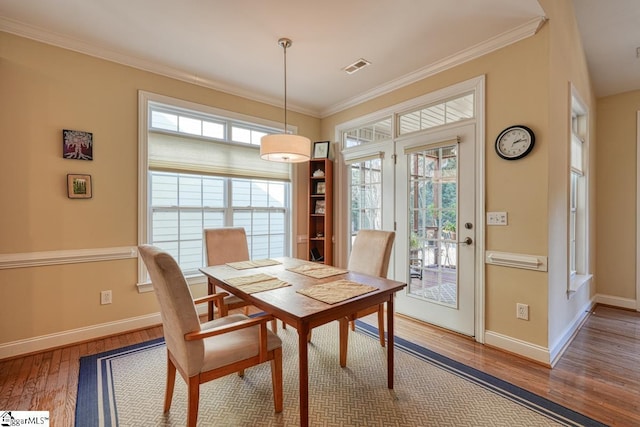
(358, 65)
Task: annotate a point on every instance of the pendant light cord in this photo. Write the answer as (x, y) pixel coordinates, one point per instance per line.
(285, 87)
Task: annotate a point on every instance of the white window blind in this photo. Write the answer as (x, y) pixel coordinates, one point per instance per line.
(183, 154)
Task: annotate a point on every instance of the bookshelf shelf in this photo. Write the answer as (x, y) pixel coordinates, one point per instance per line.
(320, 230)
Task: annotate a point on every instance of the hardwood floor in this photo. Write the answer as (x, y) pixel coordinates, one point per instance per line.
(599, 374)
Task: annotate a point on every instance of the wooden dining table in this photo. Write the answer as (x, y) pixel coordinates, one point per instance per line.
(305, 313)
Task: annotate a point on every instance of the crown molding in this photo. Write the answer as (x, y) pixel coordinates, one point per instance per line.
(522, 32)
(55, 39)
(525, 30)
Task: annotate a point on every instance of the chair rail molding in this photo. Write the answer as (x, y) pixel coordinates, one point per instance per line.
(73, 256)
(505, 259)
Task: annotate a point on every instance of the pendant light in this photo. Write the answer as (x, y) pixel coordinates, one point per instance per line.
(285, 147)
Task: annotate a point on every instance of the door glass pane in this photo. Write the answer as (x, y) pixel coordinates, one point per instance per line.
(433, 220)
(366, 196)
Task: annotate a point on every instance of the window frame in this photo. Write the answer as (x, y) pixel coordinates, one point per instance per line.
(578, 238)
(226, 212)
(144, 197)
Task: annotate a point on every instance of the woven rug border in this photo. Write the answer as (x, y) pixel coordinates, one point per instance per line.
(94, 383)
(537, 403)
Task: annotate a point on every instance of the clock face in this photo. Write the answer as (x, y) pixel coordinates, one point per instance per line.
(515, 142)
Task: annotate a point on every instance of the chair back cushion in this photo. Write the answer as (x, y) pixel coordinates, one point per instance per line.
(371, 252)
(179, 315)
(227, 244)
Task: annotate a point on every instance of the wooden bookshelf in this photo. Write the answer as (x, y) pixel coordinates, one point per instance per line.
(320, 230)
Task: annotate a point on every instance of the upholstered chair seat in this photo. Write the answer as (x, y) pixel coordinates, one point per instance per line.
(370, 255)
(223, 245)
(202, 352)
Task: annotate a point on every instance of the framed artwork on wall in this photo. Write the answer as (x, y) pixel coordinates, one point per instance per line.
(79, 186)
(321, 150)
(77, 145)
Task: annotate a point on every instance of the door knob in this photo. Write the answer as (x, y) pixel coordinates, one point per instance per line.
(466, 241)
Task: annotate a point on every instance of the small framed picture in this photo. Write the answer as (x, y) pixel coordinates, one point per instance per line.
(320, 188)
(79, 186)
(77, 144)
(320, 206)
(321, 150)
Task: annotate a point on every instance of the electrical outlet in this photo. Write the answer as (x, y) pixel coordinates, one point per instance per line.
(105, 297)
(496, 218)
(522, 311)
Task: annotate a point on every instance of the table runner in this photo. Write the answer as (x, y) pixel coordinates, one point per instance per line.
(338, 291)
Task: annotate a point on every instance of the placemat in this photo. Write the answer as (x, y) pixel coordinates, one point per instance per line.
(317, 271)
(338, 291)
(266, 285)
(244, 280)
(243, 265)
(256, 283)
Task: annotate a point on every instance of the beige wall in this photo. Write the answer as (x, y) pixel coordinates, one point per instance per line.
(526, 83)
(45, 89)
(567, 66)
(616, 188)
(519, 187)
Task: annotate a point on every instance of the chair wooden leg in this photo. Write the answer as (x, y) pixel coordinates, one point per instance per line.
(241, 373)
(171, 381)
(353, 324)
(274, 326)
(223, 310)
(193, 401)
(344, 340)
(381, 323)
(276, 379)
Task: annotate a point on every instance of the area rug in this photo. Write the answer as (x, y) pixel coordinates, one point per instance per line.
(125, 387)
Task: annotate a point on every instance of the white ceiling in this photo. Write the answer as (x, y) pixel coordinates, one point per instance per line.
(610, 32)
(232, 45)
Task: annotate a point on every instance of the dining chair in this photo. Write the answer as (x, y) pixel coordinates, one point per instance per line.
(223, 245)
(370, 255)
(207, 351)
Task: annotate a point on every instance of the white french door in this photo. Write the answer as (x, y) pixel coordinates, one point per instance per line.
(417, 168)
(370, 172)
(436, 230)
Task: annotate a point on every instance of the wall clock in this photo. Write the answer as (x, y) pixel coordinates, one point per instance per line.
(515, 142)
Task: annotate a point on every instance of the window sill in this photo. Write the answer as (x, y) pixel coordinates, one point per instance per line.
(194, 279)
(578, 281)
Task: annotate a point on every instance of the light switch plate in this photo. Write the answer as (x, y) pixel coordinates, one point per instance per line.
(496, 218)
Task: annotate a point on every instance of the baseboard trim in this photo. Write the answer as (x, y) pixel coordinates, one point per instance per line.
(558, 349)
(75, 336)
(628, 303)
(525, 349)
